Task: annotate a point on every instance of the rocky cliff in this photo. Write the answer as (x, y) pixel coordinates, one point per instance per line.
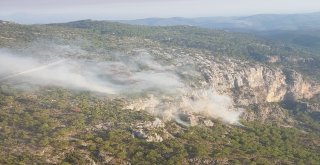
(254, 86)
(252, 83)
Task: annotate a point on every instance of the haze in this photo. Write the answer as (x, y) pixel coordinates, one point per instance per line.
(124, 76)
(47, 11)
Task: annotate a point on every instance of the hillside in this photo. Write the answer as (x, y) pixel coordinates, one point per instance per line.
(261, 22)
(99, 92)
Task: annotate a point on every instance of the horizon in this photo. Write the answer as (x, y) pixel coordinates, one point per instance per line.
(142, 18)
(49, 11)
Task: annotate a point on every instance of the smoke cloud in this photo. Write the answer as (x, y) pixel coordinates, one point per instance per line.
(210, 103)
(205, 102)
(111, 77)
(123, 76)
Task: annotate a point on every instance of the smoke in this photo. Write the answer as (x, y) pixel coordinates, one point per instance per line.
(205, 102)
(134, 75)
(122, 75)
(31, 70)
(210, 103)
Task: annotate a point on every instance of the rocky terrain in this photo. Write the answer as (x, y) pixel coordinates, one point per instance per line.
(154, 95)
(248, 83)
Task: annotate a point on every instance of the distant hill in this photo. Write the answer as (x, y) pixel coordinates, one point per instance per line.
(262, 22)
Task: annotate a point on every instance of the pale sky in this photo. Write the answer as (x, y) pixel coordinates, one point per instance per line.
(35, 11)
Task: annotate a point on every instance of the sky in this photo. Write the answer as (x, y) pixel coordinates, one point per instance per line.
(45, 11)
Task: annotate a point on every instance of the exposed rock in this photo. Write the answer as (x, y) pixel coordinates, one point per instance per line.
(150, 130)
(208, 123)
(153, 137)
(267, 113)
(157, 123)
(248, 83)
(298, 88)
(251, 83)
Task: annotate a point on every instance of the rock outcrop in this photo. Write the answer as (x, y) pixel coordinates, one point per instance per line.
(268, 112)
(252, 83)
(150, 131)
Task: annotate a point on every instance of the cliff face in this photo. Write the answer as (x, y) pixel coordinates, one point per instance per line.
(259, 85)
(254, 83)
(254, 86)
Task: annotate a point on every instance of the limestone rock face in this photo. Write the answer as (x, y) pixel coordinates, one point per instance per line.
(253, 83)
(299, 88)
(247, 83)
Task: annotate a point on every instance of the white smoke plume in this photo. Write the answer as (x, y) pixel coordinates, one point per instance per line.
(122, 76)
(210, 103)
(109, 77)
(205, 102)
(60, 73)
(31, 70)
